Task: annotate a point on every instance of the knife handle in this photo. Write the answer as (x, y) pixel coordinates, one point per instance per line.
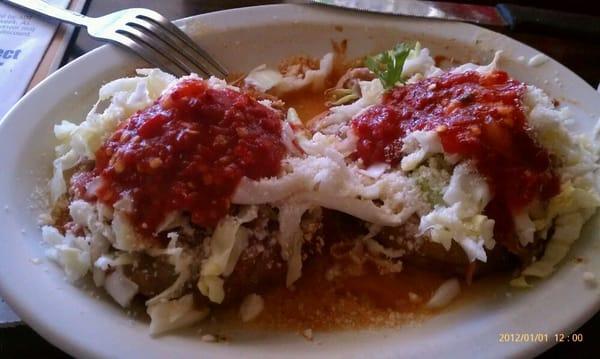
(523, 18)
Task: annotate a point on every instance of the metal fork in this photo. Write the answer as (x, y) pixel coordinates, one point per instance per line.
(146, 32)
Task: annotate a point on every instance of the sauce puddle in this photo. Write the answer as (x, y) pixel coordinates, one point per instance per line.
(350, 302)
(307, 104)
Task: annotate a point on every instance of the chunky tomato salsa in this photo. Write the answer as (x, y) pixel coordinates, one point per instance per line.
(187, 152)
(477, 116)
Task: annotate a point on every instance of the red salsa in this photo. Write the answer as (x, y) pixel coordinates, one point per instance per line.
(188, 152)
(478, 116)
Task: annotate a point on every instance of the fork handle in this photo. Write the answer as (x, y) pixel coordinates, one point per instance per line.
(43, 8)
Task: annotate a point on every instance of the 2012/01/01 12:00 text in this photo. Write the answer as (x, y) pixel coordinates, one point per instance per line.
(539, 337)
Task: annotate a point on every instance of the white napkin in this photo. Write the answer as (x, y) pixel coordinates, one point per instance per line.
(23, 41)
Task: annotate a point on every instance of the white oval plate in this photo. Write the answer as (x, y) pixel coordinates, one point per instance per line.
(87, 327)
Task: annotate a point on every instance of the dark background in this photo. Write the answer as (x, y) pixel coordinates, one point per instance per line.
(580, 55)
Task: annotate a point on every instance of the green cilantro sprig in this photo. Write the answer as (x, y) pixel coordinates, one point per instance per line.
(388, 64)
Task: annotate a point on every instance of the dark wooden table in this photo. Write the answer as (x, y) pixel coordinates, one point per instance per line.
(580, 55)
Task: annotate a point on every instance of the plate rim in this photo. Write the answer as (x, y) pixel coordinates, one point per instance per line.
(66, 342)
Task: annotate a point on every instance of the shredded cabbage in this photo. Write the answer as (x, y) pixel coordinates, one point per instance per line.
(444, 294)
(419, 145)
(70, 252)
(264, 78)
(251, 307)
(290, 237)
(569, 211)
(120, 288)
(175, 314)
(226, 245)
(80, 142)
(419, 63)
(461, 220)
(493, 65)
(578, 198)
(339, 116)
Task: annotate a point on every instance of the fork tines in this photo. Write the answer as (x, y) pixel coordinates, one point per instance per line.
(166, 46)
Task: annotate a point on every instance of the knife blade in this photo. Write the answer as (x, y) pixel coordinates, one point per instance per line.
(485, 15)
(515, 17)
